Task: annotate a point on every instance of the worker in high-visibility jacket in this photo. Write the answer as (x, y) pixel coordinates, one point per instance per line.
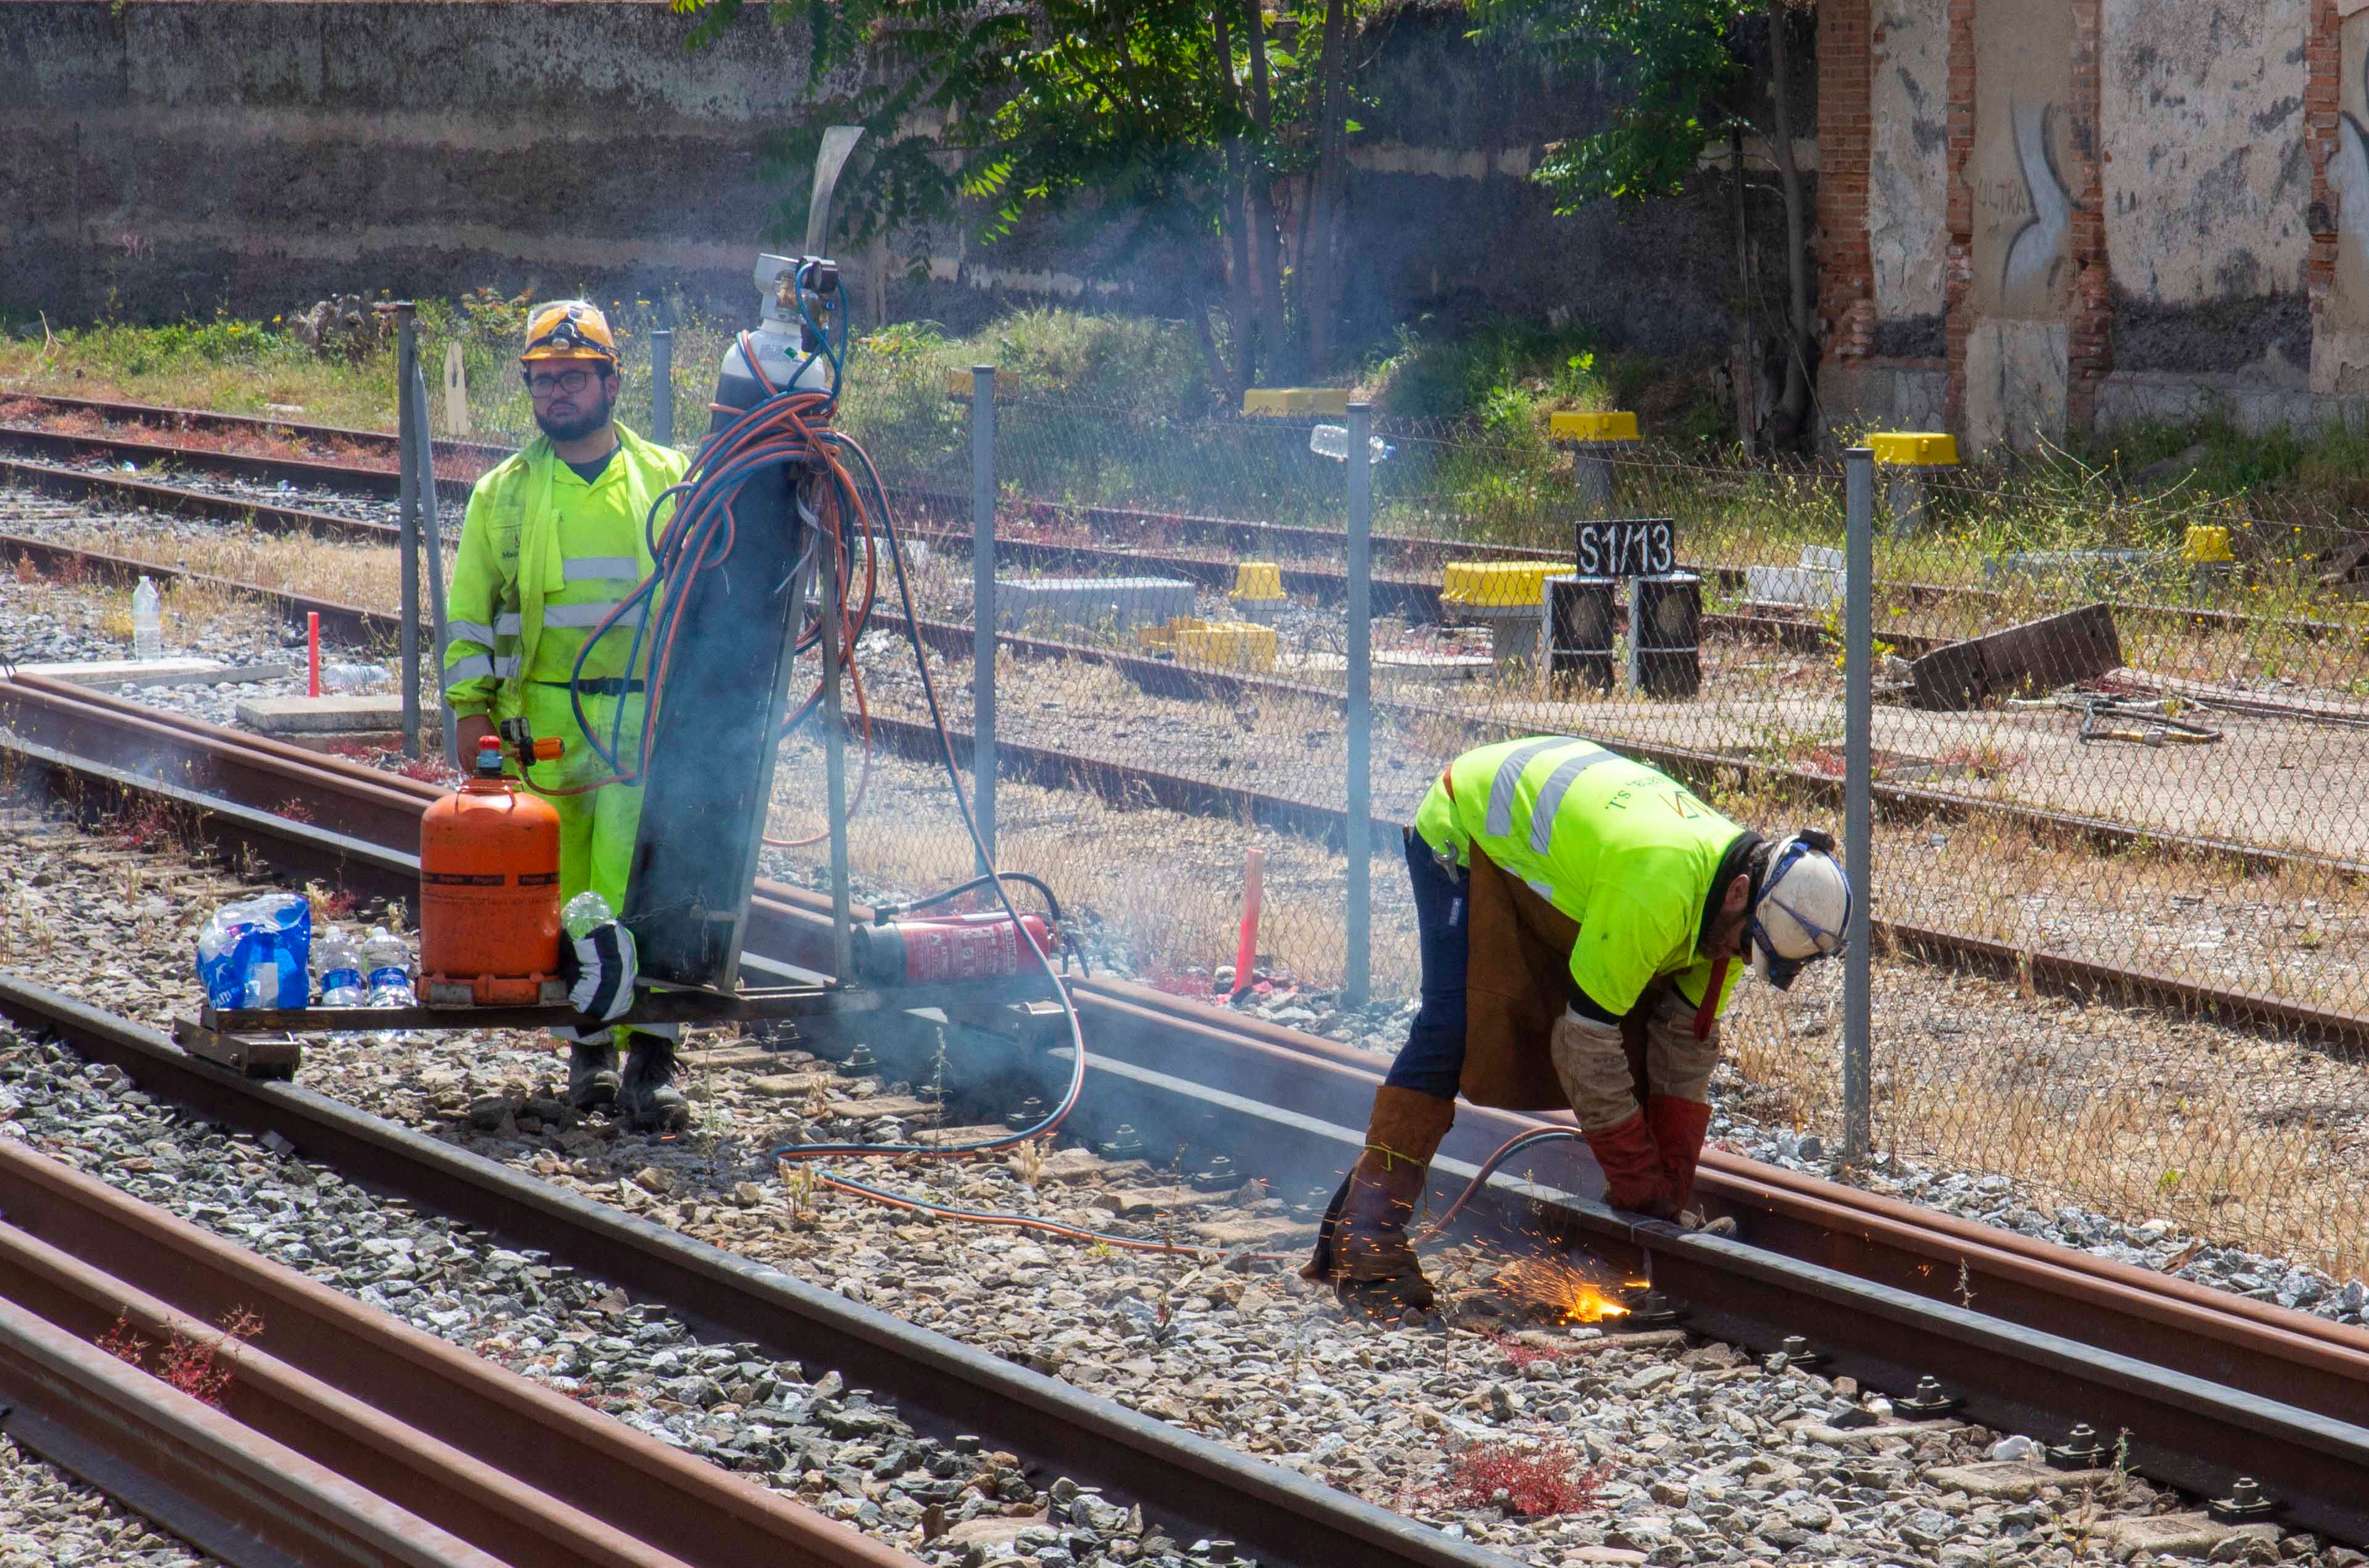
(557, 536)
(1581, 918)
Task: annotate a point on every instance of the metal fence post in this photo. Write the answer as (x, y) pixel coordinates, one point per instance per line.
(1859, 772)
(410, 435)
(982, 605)
(431, 539)
(1358, 979)
(662, 386)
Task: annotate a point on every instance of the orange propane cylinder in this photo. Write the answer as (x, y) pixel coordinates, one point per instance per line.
(489, 894)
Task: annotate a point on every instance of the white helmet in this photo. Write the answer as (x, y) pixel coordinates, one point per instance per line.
(1803, 911)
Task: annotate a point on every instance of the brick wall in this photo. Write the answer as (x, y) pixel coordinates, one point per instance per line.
(2090, 336)
(2322, 101)
(1959, 266)
(1845, 272)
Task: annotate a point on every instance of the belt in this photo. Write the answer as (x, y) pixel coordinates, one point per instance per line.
(613, 686)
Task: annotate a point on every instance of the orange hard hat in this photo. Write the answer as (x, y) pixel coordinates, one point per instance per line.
(569, 329)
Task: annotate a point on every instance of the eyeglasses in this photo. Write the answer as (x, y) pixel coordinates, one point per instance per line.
(558, 381)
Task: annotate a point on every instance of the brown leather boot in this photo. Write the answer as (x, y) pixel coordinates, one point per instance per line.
(1362, 1247)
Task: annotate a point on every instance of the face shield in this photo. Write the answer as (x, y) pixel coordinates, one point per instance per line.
(1809, 900)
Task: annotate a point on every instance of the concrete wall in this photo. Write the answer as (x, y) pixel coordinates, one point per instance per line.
(255, 155)
(2118, 210)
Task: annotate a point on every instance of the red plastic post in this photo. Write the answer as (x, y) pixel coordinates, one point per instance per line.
(313, 652)
(1253, 893)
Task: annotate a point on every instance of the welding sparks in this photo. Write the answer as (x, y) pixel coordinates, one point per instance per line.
(1559, 1286)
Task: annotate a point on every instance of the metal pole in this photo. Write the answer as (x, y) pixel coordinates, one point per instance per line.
(1358, 979)
(406, 365)
(431, 539)
(662, 386)
(982, 602)
(834, 755)
(1858, 770)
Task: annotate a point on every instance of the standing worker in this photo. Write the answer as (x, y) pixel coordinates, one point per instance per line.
(1581, 916)
(557, 536)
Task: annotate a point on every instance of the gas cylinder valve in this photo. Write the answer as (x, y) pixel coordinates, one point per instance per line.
(518, 738)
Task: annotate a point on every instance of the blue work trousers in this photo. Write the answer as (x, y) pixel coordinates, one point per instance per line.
(1432, 1061)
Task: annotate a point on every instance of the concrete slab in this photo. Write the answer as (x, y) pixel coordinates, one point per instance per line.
(2010, 1480)
(109, 674)
(1036, 604)
(1845, 1437)
(322, 716)
(2176, 1534)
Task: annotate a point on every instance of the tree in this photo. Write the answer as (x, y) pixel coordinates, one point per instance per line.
(1685, 68)
(1216, 129)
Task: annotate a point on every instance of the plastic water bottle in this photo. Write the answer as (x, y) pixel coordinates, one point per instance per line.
(1333, 442)
(583, 912)
(337, 970)
(386, 961)
(147, 622)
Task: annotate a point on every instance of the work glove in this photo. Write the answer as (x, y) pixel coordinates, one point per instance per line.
(1593, 1067)
(600, 968)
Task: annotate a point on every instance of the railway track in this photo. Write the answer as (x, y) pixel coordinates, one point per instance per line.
(1400, 588)
(1121, 783)
(343, 1435)
(2200, 1381)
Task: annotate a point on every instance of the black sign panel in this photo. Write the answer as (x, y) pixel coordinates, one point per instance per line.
(1628, 547)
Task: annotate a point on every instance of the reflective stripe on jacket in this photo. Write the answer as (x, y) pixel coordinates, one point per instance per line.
(1624, 850)
(544, 558)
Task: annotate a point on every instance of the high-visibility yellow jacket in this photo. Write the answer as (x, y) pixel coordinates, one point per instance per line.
(1625, 851)
(543, 556)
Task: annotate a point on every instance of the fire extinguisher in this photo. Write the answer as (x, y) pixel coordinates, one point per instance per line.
(898, 948)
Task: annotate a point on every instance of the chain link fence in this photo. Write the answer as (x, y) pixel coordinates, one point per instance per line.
(2119, 906)
(2120, 915)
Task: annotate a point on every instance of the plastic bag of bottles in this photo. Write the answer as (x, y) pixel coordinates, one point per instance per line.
(258, 953)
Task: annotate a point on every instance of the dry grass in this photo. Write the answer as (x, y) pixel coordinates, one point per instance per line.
(2243, 1139)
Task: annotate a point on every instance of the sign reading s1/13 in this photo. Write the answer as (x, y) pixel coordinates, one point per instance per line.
(1631, 547)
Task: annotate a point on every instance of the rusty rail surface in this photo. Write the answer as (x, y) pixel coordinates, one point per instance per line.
(338, 1423)
(2198, 1376)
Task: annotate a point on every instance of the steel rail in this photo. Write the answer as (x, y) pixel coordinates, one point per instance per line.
(518, 1470)
(208, 1479)
(312, 473)
(123, 492)
(121, 412)
(68, 718)
(1166, 678)
(937, 1383)
(2285, 1356)
(2063, 974)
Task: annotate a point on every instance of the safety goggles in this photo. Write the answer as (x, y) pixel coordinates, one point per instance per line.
(1780, 972)
(546, 383)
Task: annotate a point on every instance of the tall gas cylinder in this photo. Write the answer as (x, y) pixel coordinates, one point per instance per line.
(489, 894)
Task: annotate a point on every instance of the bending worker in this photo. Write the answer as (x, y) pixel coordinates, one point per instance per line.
(556, 536)
(1581, 918)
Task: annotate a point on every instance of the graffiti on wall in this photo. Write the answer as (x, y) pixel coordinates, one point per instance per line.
(2022, 156)
(2036, 255)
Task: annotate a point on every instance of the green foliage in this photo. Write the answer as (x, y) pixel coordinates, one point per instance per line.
(1676, 60)
(1045, 102)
